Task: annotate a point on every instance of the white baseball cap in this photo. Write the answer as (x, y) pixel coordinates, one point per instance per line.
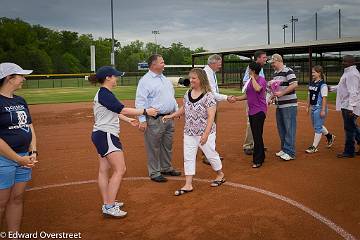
(7, 69)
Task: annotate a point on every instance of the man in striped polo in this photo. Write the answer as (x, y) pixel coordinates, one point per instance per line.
(286, 103)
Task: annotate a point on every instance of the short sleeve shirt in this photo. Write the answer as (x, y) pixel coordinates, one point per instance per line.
(196, 115)
(106, 112)
(15, 123)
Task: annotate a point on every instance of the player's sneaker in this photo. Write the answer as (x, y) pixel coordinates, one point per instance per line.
(311, 149)
(114, 212)
(280, 153)
(330, 141)
(120, 204)
(286, 157)
(117, 203)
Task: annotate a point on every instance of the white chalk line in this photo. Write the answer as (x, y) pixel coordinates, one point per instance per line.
(339, 230)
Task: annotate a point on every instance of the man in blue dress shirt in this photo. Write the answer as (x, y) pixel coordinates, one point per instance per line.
(158, 92)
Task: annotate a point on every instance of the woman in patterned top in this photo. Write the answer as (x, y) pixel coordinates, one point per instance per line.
(200, 130)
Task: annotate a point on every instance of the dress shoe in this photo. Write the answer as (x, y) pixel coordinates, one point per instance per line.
(159, 179)
(344, 155)
(172, 173)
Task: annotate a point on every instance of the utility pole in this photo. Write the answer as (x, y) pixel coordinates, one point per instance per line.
(293, 21)
(112, 57)
(339, 23)
(285, 26)
(268, 20)
(316, 26)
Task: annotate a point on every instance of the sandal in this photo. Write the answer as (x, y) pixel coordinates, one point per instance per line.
(182, 192)
(217, 183)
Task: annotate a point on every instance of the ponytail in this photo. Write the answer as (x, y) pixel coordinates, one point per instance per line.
(94, 80)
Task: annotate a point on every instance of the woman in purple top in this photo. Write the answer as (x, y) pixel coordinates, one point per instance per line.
(256, 97)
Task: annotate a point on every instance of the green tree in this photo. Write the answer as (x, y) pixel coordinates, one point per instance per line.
(70, 64)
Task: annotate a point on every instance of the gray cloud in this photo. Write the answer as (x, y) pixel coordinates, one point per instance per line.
(208, 23)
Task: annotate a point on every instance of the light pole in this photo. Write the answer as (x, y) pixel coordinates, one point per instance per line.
(339, 23)
(285, 26)
(268, 20)
(293, 21)
(155, 32)
(316, 26)
(112, 57)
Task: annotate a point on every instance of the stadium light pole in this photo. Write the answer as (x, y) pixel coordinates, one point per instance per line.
(285, 26)
(316, 26)
(339, 23)
(268, 19)
(293, 21)
(112, 57)
(155, 32)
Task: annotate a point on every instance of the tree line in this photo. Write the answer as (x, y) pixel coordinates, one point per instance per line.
(49, 51)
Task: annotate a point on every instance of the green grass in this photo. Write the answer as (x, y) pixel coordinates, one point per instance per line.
(86, 94)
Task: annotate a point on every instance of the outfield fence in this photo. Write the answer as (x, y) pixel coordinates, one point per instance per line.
(233, 75)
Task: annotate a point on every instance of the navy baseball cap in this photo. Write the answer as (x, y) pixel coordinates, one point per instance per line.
(108, 71)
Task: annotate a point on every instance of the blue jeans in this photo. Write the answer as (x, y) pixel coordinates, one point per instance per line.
(316, 119)
(286, 124)
(352, 132)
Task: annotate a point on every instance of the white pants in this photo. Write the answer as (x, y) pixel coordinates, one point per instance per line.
(191, 145)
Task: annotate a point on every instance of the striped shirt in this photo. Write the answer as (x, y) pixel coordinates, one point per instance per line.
(287, 77)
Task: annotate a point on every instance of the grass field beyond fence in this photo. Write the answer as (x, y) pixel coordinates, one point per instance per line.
(86, 94)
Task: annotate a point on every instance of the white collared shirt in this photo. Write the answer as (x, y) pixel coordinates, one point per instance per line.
(213, 84)
(348, 90)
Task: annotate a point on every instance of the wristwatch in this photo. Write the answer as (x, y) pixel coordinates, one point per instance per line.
(144, 112)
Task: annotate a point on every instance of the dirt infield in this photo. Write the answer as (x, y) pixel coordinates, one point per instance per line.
(318, 195)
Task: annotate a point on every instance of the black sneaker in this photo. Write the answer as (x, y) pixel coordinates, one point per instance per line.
(311, 149)
(330, 140)
(172, 173)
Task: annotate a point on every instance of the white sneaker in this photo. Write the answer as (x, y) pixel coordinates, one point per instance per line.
(286, 157)
(279, 154)
(114, 212)
(119, 204)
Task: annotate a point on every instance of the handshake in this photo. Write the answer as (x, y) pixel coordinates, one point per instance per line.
(231, 99)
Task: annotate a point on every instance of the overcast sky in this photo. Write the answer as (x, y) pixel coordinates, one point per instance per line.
(196, 23)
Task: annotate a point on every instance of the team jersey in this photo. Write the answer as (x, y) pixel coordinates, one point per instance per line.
(317, 90)
(15, 123)
(106, 112)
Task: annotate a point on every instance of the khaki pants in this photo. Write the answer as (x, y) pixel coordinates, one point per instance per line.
(249, 140)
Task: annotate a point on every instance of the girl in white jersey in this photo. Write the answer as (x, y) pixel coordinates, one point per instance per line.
(105, 136)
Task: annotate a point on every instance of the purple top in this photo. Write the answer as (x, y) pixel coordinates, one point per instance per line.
(256, 100)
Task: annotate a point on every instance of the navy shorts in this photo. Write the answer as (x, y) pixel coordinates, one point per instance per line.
(105, 143)
(11, 172)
